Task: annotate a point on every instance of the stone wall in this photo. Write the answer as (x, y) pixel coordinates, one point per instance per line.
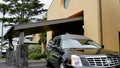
(19, 57)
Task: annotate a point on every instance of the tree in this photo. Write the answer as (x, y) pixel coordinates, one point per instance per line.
(42, 41)
(21, 11)
(43, 37)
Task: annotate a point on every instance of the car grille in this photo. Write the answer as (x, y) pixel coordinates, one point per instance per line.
(103, 61)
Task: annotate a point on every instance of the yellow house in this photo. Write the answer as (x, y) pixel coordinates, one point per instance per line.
(101, 19)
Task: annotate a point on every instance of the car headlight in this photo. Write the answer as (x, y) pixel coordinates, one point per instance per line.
(75, 60)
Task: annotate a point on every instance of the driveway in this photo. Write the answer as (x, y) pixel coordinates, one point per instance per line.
(37, 64)
(32, 64)
(4, 65)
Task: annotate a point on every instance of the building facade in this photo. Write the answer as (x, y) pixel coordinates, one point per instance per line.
(101, 19)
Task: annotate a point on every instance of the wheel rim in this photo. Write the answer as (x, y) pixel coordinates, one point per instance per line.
(62, 65)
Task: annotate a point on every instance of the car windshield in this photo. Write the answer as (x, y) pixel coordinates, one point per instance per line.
(79, 43)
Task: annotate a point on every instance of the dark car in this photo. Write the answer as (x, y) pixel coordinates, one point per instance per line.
(77, 51)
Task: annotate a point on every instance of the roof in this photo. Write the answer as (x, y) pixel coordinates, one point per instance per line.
(73, 36)
(36, 27)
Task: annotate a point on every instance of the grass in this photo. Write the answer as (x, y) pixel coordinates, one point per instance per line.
(2, 58)
(42, 59)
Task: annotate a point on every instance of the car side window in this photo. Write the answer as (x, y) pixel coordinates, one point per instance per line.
(56, 43)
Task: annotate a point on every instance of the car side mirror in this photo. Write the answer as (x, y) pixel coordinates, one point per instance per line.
(102, 46)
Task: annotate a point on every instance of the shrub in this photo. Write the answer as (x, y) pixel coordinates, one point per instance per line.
(34, 56)
(34, 52)
(34, 49)
(43, 55)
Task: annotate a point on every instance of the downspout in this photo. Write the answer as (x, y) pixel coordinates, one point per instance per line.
(101, 27)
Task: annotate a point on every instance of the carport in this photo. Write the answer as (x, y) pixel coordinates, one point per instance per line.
(60, 26)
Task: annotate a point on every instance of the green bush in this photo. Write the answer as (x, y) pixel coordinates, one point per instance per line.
(34, 52)
(43, 55)
(34, 49)
(34, 56)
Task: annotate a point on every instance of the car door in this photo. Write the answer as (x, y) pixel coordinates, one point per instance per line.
(49, 51)
(56, 53)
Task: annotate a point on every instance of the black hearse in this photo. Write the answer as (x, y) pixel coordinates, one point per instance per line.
(77, 51)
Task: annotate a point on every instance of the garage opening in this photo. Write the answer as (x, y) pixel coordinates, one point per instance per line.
(72, 28)
(76, 27)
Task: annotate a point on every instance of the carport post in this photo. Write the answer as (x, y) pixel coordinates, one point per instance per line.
(22, 52)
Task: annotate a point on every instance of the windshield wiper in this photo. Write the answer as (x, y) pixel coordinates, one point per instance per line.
(82, 50)
(78, 49)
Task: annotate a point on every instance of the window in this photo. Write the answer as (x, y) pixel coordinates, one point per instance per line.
(66, 3)
(57, 42)
(79, 43)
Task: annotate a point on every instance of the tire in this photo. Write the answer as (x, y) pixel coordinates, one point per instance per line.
(48, 64)
(62, 64)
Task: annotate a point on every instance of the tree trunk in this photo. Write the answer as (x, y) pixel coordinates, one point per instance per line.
(42, 48)
(10, 53)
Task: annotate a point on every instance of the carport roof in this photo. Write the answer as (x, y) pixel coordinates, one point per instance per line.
(36, 27)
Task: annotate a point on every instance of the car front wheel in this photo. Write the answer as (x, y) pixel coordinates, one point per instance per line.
(48, 64)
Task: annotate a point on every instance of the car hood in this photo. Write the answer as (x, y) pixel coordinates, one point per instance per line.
(90, 51)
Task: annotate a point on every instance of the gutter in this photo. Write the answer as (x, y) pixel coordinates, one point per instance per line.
(101, 27)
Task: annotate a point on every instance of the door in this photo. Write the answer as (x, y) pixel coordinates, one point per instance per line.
(56, 52)
(49, 51)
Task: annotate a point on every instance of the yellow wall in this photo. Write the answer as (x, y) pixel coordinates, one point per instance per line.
(49, 36)
(110, 19)
(36, 37)
(91, 14)
(111, 23)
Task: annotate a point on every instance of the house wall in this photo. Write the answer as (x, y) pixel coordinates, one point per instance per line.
(111, 24)
(90, 9)
(36, 37)
(101, 23)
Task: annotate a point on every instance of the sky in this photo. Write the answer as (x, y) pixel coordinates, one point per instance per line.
(46, 2)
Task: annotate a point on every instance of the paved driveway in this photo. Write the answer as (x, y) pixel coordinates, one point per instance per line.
(37, 64)
(32, 64)
(4, 65)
